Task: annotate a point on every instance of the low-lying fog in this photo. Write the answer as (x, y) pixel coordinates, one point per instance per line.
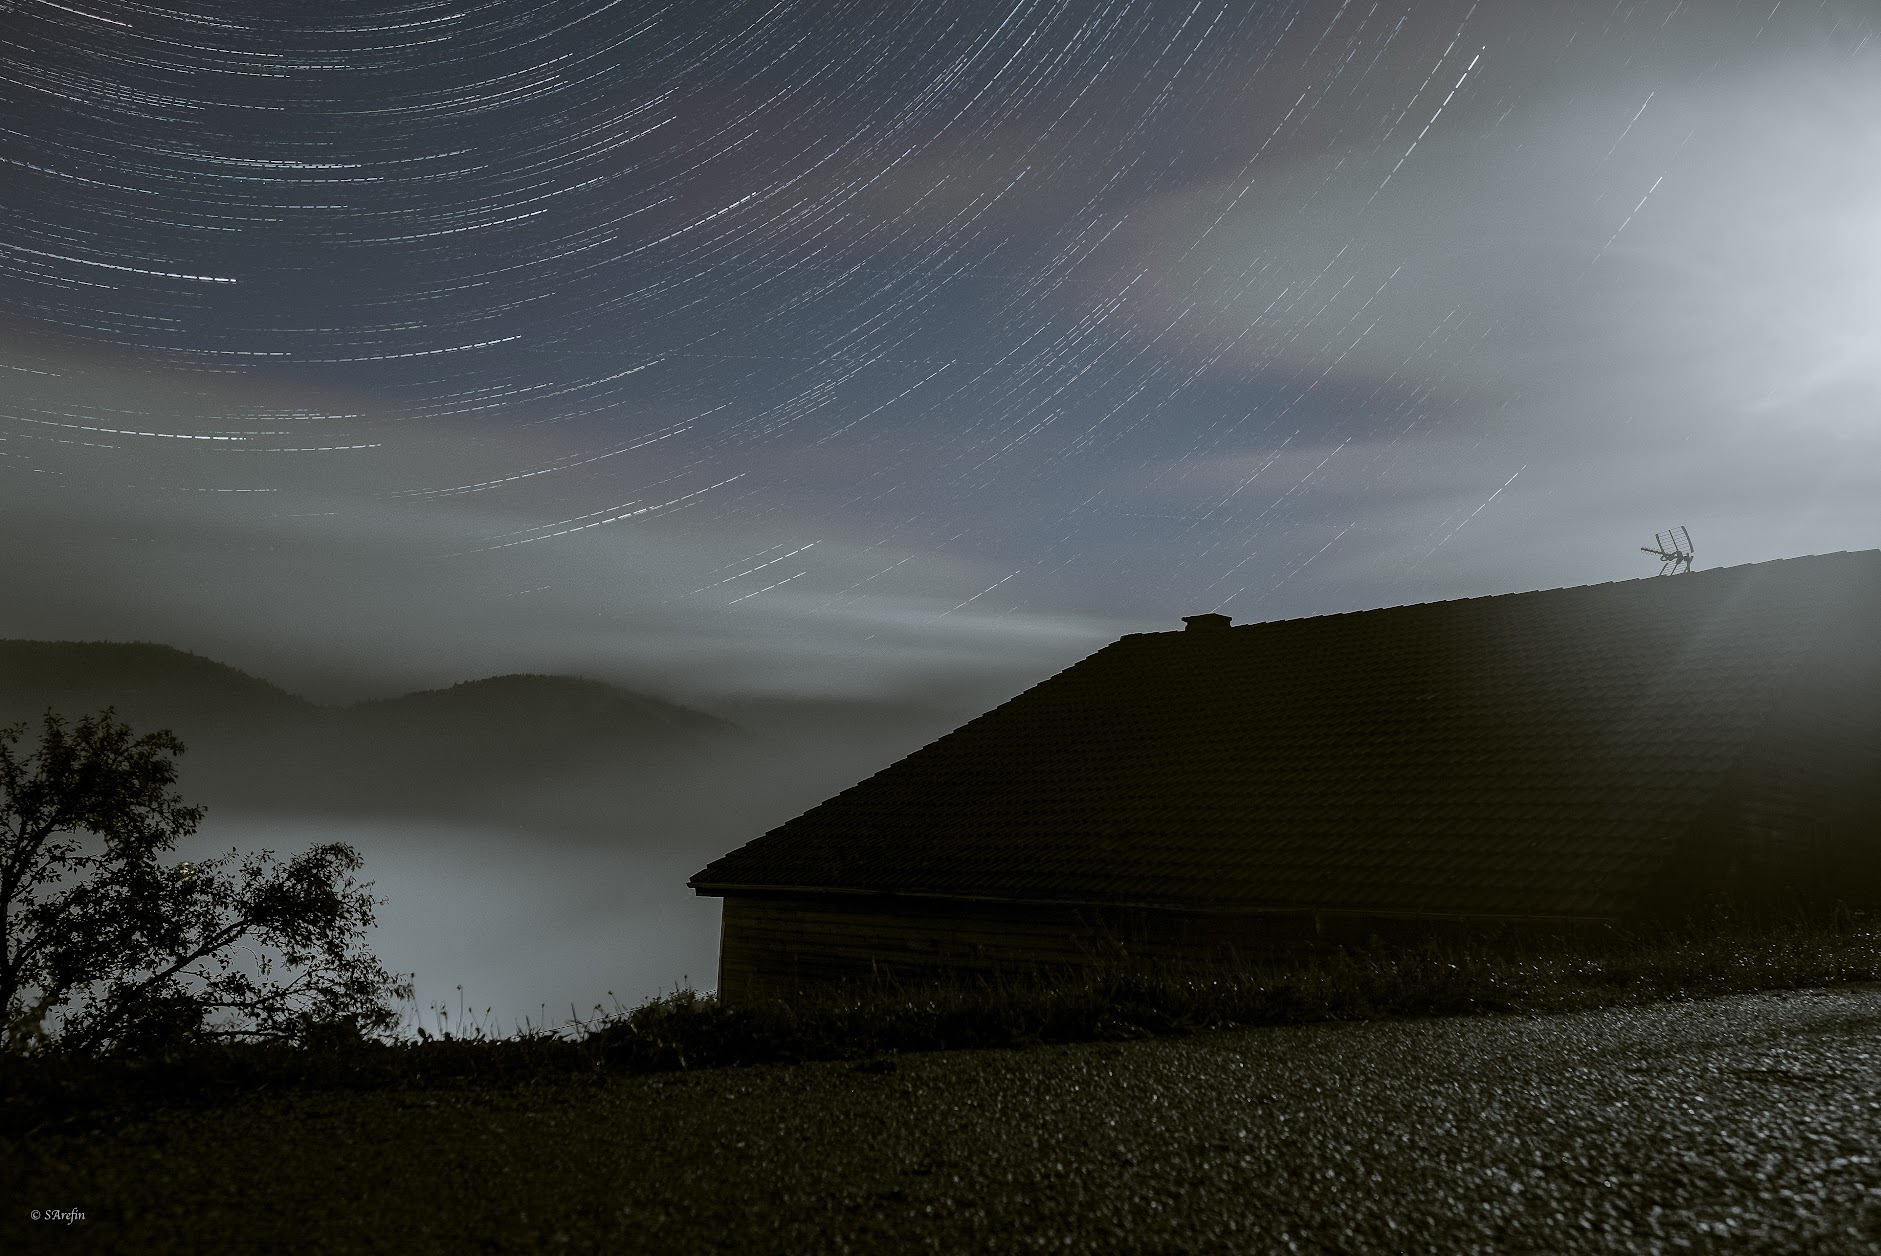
(527, 928)
(544, 895)
(530, 836)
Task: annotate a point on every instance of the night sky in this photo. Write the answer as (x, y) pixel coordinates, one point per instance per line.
(865, 348)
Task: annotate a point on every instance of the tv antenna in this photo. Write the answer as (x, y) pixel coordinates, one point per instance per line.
(1673, 549)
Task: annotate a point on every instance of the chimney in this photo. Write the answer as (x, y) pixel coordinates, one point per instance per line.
(1204, 623)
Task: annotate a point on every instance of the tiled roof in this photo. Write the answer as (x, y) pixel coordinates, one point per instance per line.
(1527, 754)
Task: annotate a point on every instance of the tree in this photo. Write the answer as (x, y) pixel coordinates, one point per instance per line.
(134, 953)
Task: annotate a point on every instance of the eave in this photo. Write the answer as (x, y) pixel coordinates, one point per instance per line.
(729, 889)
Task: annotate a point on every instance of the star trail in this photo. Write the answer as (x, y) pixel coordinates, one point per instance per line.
(835, 345)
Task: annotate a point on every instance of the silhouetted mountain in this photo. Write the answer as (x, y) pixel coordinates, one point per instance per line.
(480, 749)
(543, 755)
(482, 737)
(550, 709)
(151, 686)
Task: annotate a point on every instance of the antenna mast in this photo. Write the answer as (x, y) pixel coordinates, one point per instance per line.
(1673, 549)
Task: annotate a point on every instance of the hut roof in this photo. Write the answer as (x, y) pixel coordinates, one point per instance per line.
(1519, 755)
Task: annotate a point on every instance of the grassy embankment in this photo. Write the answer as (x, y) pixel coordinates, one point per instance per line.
(685, 1030)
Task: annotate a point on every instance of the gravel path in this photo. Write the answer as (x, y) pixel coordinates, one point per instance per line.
(1741, 1125)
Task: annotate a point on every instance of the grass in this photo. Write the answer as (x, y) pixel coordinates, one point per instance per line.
(873, 1021)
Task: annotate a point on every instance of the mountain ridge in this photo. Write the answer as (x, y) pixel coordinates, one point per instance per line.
(464, 749)
(552, 755)
(120, 673)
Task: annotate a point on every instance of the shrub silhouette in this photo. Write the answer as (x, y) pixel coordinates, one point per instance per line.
(135, 955)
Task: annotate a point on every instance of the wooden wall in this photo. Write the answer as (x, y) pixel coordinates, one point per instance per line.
(1808, 827)
(774, 945)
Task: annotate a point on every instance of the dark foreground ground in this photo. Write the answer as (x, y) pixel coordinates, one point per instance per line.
(1749, 1124)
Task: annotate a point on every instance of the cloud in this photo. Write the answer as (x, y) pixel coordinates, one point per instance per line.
(1710, 239)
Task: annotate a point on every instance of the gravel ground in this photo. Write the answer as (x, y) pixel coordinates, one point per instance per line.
(1749, 1124)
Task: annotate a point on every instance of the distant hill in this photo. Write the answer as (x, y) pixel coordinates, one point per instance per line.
(449, 752)
(150, 686)
(548, 708)
(541, 755)
(486, 734)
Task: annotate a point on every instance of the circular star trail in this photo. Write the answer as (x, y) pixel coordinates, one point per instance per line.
(883, 322)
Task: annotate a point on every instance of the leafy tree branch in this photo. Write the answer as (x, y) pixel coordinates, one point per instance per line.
(137, 953)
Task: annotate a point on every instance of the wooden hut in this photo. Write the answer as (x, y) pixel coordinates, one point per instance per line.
(1576, 756)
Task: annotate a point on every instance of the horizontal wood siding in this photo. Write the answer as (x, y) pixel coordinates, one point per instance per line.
(774, 945)
(1809, 825)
